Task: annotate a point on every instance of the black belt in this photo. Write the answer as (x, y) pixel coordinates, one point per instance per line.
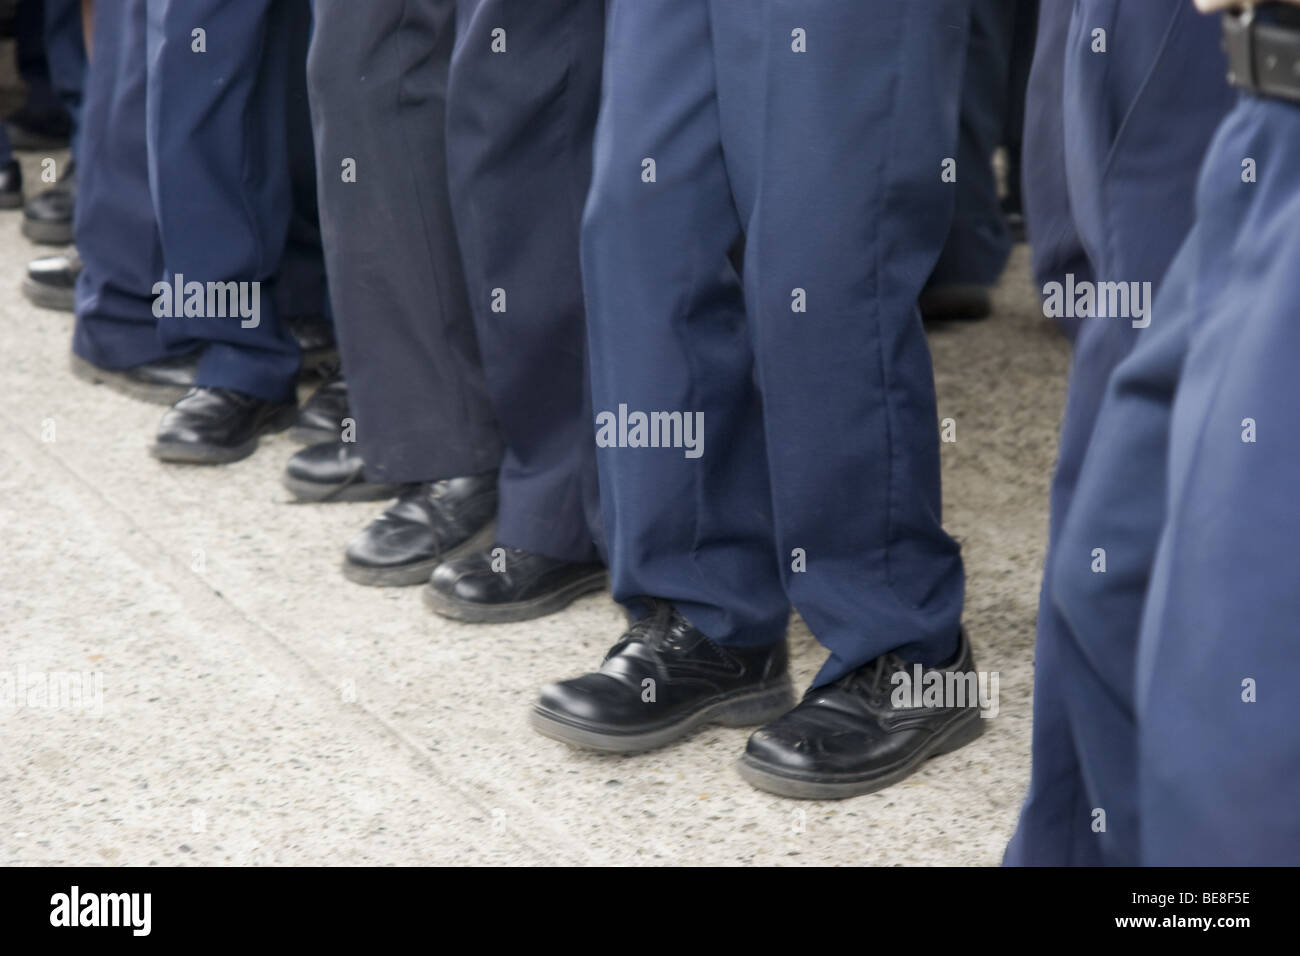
(1263, 47)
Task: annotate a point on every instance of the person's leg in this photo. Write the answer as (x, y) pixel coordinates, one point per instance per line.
(50, 215)
(843, 366)
(405, 332)
(52, 58)
(217, 127)
(1056, 794)
(116, 330)
(1024, 33)
(1136, 124)
(834, 265)
(687, 511)
(65, 48)
(218, 124)
(377, 75)
(1219, 659)
(1054, 244)
(41, 123)
(667, 332)
(979, 241)
(520, 127)
(521, 114)
(302, 296)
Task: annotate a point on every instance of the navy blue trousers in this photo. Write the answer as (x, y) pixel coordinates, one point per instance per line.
(221, 176)
(1136, 122)
(520, 123)
(817, 480)
(118, 221)
(1219, 654)
(116, 229)
(1190, 483)
(65, 52)
(979, 241)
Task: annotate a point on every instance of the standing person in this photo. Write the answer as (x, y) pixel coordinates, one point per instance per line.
(979, 240)
(1137, 100)
(472, 359)
(56, 82)
(424, 425)
(115, 340)
(1191, 483)
(42, 122)
(522, 103)
(218, 123)
(794, 454)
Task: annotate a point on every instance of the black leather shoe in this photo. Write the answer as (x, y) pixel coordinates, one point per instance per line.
(213, 426)
(31, 129)
(51, 282)
(11, 185)
(495, 585)
(315, 337)
(941, 303)
(428, 524)
(47, 217)
(848, 738)
(321, 417)
(333, 471)
(662, 681)
(164, 382)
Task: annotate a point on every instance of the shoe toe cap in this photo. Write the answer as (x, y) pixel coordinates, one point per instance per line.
(590, 699)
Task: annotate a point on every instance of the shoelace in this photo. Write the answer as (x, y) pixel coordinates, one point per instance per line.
(874, 678)
(654, 630)
(432, 496)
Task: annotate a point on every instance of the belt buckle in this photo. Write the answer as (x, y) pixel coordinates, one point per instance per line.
(1239, 44)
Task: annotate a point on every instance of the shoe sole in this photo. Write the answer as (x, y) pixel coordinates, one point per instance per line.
(316, 493)
(199, 454)
(48, 233)
(827, 787)
(118, 382)
(741, 710)
(471, 613)
(47, 297)
(409, 575)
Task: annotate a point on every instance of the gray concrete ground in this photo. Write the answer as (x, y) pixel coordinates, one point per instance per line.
(257, 708)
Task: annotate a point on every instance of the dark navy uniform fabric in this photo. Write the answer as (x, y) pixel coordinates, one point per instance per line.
(820, 427)
(65, 52)
(1201, 524)
(979, 242)
(218, 128)
(1219, 655)
(302, 287)
(378, 76)
(117, 233)
(1137, 120)
(1024, 33)
(32, 58)
(1054, 242)
(522, 102)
